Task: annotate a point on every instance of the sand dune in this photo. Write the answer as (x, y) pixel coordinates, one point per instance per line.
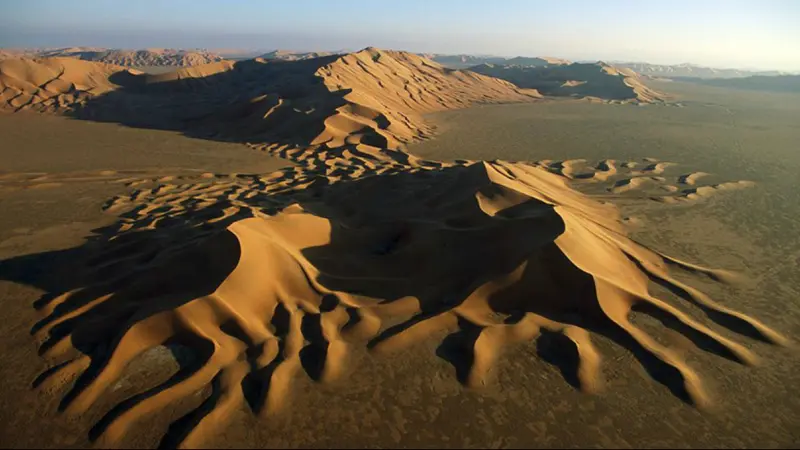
(135, 58)
(647, 178)
(634, 183)
(598, 80)
(691, 178)
(267, 277)
(373, 96)
(264, 278)
(702, 192)
(54, 84)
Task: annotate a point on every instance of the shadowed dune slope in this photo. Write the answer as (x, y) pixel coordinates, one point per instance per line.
(578, 79)
(373, 97)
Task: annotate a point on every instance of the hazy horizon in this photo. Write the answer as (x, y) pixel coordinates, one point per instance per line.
(724, 34)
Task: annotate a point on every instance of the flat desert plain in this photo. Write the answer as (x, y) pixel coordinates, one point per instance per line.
(631, 282)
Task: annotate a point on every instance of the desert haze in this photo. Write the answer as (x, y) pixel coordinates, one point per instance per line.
(387, 248)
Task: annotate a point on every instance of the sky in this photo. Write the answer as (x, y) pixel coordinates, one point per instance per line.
(756, 34)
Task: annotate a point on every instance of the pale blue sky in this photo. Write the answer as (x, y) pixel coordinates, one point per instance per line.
(730, 33)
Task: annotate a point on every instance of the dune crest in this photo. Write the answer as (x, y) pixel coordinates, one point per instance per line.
(284, 274)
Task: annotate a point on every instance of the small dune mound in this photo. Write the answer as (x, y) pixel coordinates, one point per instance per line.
(578, 169)
(656, 168)
(267, 278)
(634, 183)
(648, 178)
(691, 178)
(703, 192)
(598, 80)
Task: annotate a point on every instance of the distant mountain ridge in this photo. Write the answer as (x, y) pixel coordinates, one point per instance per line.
(770, 83)
(690, 70)
(128, 58)
(287, 55)
(466, 61)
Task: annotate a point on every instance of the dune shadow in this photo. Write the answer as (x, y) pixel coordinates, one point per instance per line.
(557, 350)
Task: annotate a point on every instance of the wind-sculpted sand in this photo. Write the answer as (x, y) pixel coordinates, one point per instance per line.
(260, 279)
(53, 84)
(267, 278)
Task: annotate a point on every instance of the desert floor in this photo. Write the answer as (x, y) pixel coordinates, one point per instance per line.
(57, 173)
